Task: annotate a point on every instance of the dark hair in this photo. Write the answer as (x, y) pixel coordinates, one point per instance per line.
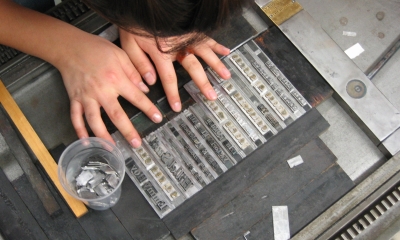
(167, 18)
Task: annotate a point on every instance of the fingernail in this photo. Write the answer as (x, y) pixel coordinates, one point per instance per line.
(227, 49)
(150, 79)
(85, 142)
(156, 118)
(226, 73)
(211, 95)
(135, 143)
(177, 106)
(143, 87)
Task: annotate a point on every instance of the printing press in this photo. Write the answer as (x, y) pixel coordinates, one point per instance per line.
(217, 169)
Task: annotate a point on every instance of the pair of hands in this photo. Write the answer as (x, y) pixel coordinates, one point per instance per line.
(99, 72)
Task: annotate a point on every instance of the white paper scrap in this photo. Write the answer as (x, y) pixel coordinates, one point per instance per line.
(280, 218)
(349, 34)
(295, 161)
(245, 235)
(354, 51)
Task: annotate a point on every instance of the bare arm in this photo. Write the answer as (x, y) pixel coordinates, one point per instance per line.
(95, 72)
(34, 33)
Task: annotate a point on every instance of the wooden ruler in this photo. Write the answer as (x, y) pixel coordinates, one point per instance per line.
(38, 148)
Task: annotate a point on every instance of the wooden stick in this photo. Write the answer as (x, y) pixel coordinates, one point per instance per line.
(38, 148)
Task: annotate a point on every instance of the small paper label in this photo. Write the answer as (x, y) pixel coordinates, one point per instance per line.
(354, 51)
(295, 161)
(280, 218)
(349, 34)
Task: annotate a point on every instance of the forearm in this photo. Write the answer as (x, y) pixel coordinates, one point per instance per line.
(36, 34)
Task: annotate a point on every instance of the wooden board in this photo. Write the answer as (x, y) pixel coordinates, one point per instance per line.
(137, 216)
(103, 225)
(240, 177)
(308, 203)
(278, 187)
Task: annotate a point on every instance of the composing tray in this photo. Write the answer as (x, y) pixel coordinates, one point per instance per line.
(204, 141)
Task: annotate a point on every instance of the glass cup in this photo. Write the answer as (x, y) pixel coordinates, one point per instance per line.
(92, 170)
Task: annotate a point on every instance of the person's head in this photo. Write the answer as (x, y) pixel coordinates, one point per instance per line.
(168, 18)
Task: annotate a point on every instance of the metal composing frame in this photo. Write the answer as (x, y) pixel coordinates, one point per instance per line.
(204, 141)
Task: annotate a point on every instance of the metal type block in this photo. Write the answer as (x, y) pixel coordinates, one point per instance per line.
(232, 124)
(171, 164)
(211, 142)
(268, 115)
(193, 154)
(179, 166)
(225, 140)
(249, 111)
(252, 133)
(255, 56)
(280, 110)
(189, 166)
(193, 142)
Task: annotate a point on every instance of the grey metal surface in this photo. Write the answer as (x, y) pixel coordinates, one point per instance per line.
(375, 23)
(254, 20)
(342, 207)
(365, 206)
(374, 112)
(356, 154)
(391, 145)
(387, 79)
(384, 60)
(391, 232)
(374, 26)
(381, 224)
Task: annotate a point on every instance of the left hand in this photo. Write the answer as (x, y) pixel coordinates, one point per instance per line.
(137, 46)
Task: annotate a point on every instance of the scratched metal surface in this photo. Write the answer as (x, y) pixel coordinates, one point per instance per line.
(375, 23)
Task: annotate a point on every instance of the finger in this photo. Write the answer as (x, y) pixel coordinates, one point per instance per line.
(93, 117)
(132, 74)
(141, 101)
(77, 119)
(138, 57)
(142, 63)
(196, 72)
(218, 48)
(118, 116)
(207, 53)
(169, 81)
